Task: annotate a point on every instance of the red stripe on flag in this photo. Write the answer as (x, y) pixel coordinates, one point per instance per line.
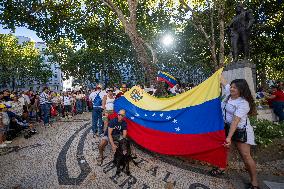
(163, 79)
(205, 147)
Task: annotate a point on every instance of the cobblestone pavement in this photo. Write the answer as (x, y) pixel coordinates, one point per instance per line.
(63, 156)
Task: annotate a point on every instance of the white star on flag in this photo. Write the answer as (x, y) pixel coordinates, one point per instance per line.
(137, 115)
(161, 114)
(168, 117)
(132, 117)
(177, 129)
(154, 114)
(145, 115)
(175, 121)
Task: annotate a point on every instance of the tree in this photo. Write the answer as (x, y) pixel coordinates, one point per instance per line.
(267, 46)
(21, 62)
(121, 35)
(211, 8)
(130, 25)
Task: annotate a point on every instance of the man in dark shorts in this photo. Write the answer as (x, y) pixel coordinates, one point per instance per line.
(117, 128)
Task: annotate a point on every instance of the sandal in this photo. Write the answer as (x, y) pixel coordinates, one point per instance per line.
(252, 186)
(216, 172)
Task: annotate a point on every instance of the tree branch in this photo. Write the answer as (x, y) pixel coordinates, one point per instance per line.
(213, 43)
(132, 4)
(199, 26)
(153, 52)
(212, 25)
(221, 34)
(118, 12)
(186, 6)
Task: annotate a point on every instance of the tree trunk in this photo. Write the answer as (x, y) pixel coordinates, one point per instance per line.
(142, 55)
(138, 43)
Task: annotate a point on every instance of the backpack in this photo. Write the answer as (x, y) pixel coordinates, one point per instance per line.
(53, 111)
(97, 101)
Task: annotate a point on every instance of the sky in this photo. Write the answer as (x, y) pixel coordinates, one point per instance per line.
(22, 31)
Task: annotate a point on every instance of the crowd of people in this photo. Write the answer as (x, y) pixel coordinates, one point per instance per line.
(19, 109)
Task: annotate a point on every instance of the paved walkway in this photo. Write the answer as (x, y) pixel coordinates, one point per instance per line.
(64, 157)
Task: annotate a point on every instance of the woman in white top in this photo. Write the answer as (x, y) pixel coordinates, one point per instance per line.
(236, 106)
(108, 104)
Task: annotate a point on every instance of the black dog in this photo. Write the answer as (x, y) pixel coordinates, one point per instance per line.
(122, 157)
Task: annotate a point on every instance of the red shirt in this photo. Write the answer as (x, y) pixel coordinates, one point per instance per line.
(119, 94)
(112, 116)
(279, 96)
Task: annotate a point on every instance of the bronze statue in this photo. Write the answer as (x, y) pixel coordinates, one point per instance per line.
(239, 32)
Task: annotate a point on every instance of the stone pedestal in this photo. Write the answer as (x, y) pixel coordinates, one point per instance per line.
(241, 70)
(266, 114)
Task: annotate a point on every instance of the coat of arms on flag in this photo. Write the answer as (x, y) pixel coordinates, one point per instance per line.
(136, 95)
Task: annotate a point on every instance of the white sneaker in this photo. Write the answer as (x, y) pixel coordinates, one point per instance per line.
(3, 145)
(8, 142)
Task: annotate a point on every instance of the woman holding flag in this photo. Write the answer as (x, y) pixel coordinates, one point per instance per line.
(236, 107)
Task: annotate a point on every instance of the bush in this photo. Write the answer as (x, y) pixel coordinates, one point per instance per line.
(265, 131)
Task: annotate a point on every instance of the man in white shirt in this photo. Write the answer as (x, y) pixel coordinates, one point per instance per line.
(96, 98)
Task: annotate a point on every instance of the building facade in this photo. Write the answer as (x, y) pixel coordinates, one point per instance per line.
(55, 82)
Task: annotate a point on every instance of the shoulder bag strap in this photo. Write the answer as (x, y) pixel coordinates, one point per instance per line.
(225, 116)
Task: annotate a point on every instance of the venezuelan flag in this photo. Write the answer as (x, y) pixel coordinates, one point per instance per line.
(169, 79)
(188, 125)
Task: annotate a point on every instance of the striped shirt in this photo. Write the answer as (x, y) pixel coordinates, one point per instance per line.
(43, 98)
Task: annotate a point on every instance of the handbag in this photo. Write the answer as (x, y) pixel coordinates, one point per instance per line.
(240, 134)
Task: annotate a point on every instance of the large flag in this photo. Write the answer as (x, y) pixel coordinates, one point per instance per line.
(188, 125)
(169, 79)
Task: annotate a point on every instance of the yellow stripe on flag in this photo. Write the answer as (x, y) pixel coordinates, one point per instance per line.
(170, 76)
(207, 90)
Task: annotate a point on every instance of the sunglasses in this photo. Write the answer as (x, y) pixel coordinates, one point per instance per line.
(121, 115)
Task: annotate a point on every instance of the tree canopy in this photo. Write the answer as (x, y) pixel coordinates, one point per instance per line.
(121, 39)
(21, 62)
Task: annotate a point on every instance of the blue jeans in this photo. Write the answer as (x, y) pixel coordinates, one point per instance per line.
(278, 109)
(79, 106)
(97, 122)
(45, 109)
